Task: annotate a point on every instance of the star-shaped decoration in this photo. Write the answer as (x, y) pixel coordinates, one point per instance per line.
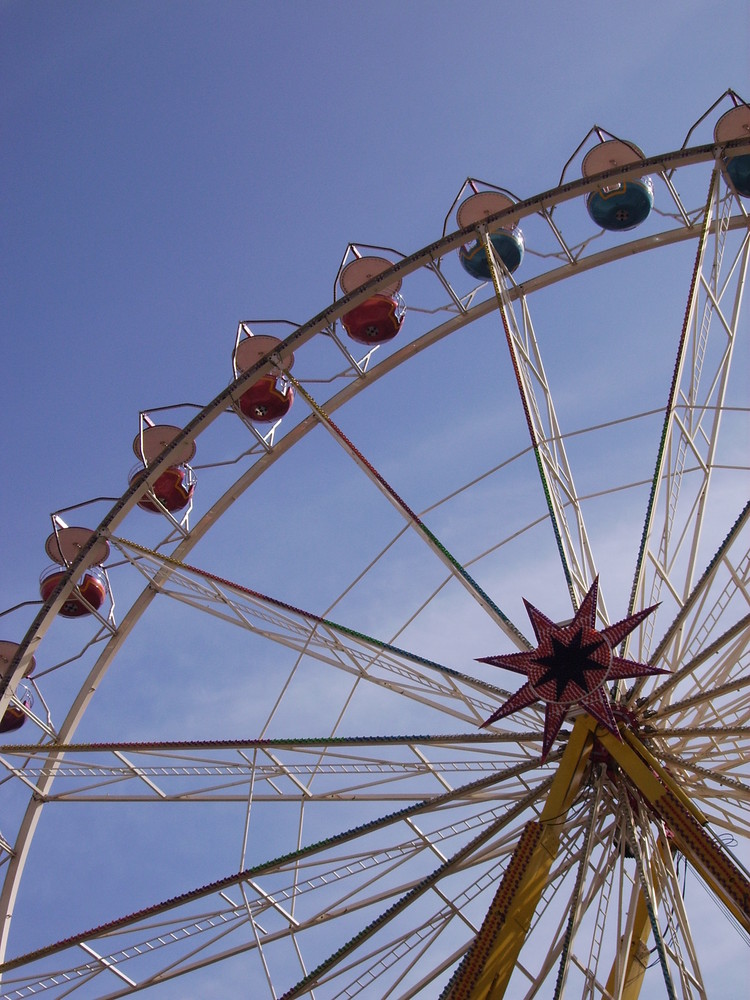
(571, 666)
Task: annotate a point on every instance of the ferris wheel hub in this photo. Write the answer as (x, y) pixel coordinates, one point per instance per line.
(570, 667)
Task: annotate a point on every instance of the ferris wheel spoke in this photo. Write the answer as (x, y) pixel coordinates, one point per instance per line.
(339, 885)
(575, 907)
(466, 698)
(567, 947)
(689, 453)
(700, 660)
(274, 771)
(448, 866)
(547, 441)
(721, 787)
(456, 568)
(713, 701)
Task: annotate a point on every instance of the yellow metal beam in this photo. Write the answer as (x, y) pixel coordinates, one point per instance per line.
(637, 958)
(486, 970)
(685, 821)
(666, 778)
(627, 985)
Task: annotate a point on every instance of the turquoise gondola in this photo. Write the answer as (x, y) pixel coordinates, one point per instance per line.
(735, 124)
(622, 207)
(738, 169)
(508, 245)
(624, 204)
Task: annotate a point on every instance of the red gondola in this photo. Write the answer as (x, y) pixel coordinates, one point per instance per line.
(268, 399)
(90, 593)
(375, 320)
(379, 318)
(14, 715)
(64, 546)
(173, 489)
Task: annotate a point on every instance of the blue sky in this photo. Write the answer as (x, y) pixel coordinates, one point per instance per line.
(170, 168)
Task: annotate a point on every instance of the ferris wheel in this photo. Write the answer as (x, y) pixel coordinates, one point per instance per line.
(440, 611)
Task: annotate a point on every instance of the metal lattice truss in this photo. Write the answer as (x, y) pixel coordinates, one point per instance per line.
(343, 769)
(442, 853)
(360, 656)
(689, 453)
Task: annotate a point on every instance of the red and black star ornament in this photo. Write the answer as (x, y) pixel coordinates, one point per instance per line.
(571, 666)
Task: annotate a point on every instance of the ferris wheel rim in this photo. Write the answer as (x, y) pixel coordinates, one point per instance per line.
(545, 201)
(212, 410)
(136, 490)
